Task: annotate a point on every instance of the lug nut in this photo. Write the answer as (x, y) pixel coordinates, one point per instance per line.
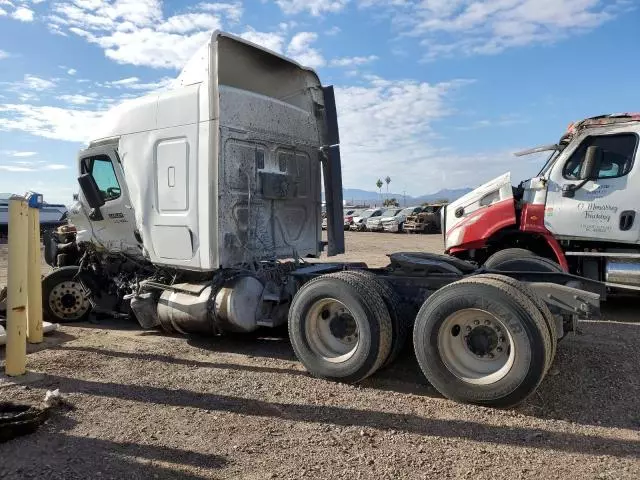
(468, 329)
(491, 355)
(476, 322)
(487, 322)
(501, 339)
(499, 349)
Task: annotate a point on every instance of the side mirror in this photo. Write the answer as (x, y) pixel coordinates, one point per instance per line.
(591, 166)
(92, 194)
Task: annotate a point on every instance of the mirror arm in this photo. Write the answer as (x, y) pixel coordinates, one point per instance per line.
(569, 190)
(96, 215)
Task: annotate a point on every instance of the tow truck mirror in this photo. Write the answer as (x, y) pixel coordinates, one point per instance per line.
(590, 170)
(591, 166)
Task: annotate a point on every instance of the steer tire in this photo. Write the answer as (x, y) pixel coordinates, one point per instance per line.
(367, 309)
(521, 323)
(513, 259)
(540, 305)
(399, 319)
(53, 291)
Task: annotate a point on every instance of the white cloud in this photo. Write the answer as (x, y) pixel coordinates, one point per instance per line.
(17, 153)
(314, 7)
(3, 12)
(390, 124)
(134, 83)
(34, 168)
(72, 71)
(31, 82)
(3, 55)
(335, 30)
(233, 11)
(353, 61)
(78, 99)
(137, 32)
(301, 50)
(49, 122)
(470, 27)
(23, 14)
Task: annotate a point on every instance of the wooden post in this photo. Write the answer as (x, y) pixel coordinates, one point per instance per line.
(34, 310)
(16, 350)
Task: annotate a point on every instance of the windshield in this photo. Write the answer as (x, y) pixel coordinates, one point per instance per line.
(392, 212)
(368, 213)
(408, 211)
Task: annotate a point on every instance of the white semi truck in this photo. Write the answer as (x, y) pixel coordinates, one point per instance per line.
(579, 213)
(200, 212)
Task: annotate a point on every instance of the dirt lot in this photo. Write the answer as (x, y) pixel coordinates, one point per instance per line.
(147, 405)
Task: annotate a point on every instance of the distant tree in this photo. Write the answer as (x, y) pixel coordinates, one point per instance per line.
(379, 185)
(391, 202)
(387, 181)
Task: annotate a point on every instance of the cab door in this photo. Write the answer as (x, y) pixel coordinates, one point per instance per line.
(114, 226)
(604, 209)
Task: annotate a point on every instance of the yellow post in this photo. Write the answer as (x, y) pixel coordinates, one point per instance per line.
(34, 309)
(16, 351)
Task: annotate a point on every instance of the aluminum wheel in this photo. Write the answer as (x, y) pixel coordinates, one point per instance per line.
(331, 330)
(476, 346)
(69, 301)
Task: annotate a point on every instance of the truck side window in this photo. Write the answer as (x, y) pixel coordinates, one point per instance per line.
(618, 154)
(103, 173)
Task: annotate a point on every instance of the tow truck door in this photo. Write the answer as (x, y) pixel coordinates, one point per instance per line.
(114, 227)
(605, 209)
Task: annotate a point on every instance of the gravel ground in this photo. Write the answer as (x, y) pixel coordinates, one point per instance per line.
(147, 405)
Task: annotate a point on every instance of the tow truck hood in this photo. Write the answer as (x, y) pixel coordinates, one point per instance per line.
(479, 207)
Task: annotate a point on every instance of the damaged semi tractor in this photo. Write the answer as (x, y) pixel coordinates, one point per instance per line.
(199, 212)
(577, 215)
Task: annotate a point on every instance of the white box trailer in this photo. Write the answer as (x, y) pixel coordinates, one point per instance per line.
(200, 212)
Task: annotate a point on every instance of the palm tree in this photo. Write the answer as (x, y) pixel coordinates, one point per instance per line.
(388, 181)
(379, 185)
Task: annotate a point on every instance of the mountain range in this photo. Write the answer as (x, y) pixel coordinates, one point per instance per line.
(357, 196)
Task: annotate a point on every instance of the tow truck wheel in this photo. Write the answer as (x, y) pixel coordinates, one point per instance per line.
(340, 328)
(513, 259)
(482, 341)
(399, 320)
(64, 298)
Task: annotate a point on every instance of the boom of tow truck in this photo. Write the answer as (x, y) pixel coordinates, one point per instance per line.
(200, 212)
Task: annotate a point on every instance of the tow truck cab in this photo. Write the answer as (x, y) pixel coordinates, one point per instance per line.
(579, 211)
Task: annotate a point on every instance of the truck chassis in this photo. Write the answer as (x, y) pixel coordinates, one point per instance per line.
(480, 336)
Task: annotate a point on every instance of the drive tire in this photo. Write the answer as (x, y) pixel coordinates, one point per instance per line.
(528, 342)
(540, 305)
(64, 305)
(400, 323)
(365, 308)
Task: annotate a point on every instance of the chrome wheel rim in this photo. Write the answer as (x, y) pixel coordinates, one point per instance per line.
(476, 346)
(68, 300)
(331, 330)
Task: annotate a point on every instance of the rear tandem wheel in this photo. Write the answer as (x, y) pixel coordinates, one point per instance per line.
(482, 341)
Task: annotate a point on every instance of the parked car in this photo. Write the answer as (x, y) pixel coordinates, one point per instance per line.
(374, 224)
(426, 221)
(349, 215)
(396, 223)
(360, 222)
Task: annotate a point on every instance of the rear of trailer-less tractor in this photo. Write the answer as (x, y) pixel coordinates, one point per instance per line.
(200, 213)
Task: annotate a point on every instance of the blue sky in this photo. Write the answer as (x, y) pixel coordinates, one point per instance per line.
(434, 93)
